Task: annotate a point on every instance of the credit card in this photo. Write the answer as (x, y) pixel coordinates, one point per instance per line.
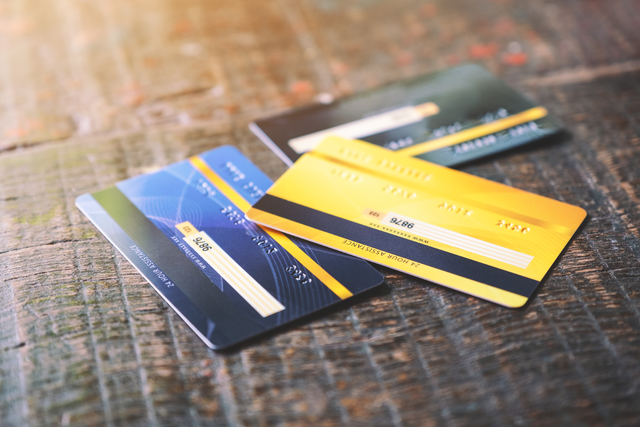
(184, 229)
(449, 117)
(477, 236)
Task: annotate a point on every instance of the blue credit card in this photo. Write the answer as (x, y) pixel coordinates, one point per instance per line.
(184, 229)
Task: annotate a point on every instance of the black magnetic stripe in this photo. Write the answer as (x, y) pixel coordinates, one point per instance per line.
(231, 323)
(399, 246)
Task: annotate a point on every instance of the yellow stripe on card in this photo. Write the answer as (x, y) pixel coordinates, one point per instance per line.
(329, 281)
(475, 132)
(216, 180)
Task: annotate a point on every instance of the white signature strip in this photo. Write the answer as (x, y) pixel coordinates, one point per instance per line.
(257, 296)
(460, 241)
(359, 128)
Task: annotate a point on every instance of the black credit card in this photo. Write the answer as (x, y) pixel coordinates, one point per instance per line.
(448, 117)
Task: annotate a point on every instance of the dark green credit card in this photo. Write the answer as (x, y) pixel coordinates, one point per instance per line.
(448, 117)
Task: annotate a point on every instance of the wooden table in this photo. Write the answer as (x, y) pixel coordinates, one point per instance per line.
(92, 92)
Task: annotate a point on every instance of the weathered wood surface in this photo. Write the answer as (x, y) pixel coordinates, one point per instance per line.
(125, 86)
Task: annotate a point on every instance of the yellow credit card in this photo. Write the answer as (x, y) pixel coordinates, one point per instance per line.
(467, 233)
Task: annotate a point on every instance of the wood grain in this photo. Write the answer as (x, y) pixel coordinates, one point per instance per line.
(95, 92)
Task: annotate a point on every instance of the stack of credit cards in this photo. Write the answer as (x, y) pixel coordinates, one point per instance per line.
(207, 232)
(448, 118)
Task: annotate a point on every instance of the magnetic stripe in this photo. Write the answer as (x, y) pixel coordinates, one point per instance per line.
(399, 246)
